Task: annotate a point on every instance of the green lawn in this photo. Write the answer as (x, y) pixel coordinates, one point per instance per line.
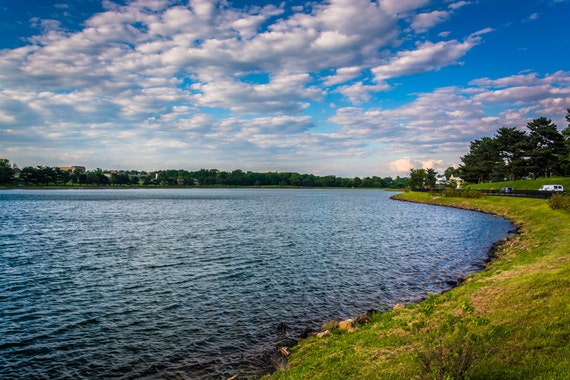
(528, 184)
(510, 321)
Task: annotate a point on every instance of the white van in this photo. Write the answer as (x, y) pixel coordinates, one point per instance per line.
(551, 188)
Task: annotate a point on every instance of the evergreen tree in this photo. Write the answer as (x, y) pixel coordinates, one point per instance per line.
(481, 161)
(566, 137)
(513, 145)
(548, 148)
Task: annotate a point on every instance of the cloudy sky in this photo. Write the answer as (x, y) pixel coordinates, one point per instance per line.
(342, 87)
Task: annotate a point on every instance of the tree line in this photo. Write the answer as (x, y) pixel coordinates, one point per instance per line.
(511, 154)
(49, 176)
(214, 177)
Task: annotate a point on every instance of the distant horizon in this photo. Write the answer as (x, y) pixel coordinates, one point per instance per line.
(351, 88)
(87, 169)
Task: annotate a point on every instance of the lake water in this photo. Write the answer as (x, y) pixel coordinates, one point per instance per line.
(193, 283)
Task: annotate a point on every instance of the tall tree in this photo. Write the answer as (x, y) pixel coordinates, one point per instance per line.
(547, 147)
(513, 145)
(482, 159)
(566, 138)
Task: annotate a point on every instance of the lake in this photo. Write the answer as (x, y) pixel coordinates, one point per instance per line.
(195, 283)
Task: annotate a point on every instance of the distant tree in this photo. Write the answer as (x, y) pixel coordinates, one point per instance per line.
(357, 182)
(180, 177)
(365, 182)
(97, 178)
(418, 178)
(6, 172)
(120, 179)
(148, 180)
(79, 176)
(62, 176)
(30, 175)
(238, 178)
(46, 175)
(134, 180)
(253, 179)
(431, 177)
(167, 177)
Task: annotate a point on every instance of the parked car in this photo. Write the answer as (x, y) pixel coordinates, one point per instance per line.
(559, 188)
(506, 190)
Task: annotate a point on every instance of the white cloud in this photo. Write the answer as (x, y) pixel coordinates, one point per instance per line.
(253, 85)
(425, 21)
(514, 80)
(402, 6)
(428, 56)
(528, 93)
(359, 92)
(458, 4)
(522, 93)
(6, 118)
(402, 165)
(284, 93)
(342, 75)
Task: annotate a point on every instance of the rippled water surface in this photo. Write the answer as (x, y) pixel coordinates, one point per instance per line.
(193, 283)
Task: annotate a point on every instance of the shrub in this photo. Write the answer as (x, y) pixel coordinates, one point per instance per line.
(453, 347)
(559, 202)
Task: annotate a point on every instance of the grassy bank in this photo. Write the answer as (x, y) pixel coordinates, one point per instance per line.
(529, 184)
(510, 321)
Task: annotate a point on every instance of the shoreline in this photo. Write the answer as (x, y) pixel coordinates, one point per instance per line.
(529, 259)
(491, 254)
(277, 359)
(94, 187)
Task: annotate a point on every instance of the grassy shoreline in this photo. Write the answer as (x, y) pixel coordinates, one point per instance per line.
(511, 320)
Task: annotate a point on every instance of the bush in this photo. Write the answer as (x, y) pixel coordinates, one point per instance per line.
(559, 202)
(452, 347)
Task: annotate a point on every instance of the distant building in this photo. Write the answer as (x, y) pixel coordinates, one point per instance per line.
(82, 169)
(458, 181)
(440, 180)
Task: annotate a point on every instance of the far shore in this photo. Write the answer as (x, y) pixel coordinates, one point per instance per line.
(94, 187)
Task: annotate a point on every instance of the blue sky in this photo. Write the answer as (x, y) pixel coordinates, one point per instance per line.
(342, 87)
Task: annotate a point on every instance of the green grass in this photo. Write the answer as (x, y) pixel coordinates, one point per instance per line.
(526, 184)
(512, 320)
